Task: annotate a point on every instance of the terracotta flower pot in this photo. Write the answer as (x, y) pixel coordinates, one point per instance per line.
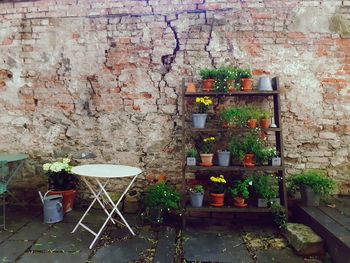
(206, 159)
(230, 84)
(191, 87)
(68, 198)
(239, 200)
(208, 84)
(247, 84)
(264, 123)
(248, 160)
(217, 199)
(252, 123)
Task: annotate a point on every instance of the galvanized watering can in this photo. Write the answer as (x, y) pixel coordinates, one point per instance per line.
(52, 205)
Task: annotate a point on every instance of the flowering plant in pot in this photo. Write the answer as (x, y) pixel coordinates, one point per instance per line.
(240, 191)
(191, 154)
(253, 114)
(217, 190)
(196, 195)
(232, 81)
(312, 185)
(158, 198)
(208, 78)
(62, 181)
(199, 118)
(233, 116)
(207, 151)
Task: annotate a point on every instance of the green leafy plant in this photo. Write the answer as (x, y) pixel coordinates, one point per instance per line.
(203, 104)
(279, 215)
(59, 175)
(236, 116)
(191, 152)
(265, 186)
(197, 189)
(322, 185)
(162, 196)
(252, 113)
(208, 143)
(241, 188)
(217, 184)
(207, 73)
(264, 154)
(265, 115)
(250, 143)
(221, 76)
(244, 73)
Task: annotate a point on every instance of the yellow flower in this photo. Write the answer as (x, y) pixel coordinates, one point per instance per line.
(198, 100)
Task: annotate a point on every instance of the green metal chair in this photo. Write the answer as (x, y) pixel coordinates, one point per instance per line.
(4, 180)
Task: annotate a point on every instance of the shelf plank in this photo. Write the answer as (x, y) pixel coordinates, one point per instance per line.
(236, 130)
(248, 209)
(237, 93)
(233, 168)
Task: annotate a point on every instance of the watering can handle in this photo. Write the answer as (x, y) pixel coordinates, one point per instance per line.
(59, 207)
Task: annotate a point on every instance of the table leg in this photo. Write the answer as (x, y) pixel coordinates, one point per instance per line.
(90, 206)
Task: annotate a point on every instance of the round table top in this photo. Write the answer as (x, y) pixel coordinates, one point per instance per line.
(13, 157)
(105, 170)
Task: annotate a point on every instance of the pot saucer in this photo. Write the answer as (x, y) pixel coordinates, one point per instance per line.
(206, 164)
(240, 205)
(249, 165)
(216, 204)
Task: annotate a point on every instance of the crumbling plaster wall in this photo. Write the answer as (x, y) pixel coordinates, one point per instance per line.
(104, 77)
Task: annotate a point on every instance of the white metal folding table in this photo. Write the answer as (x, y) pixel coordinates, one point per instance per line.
(105, 172)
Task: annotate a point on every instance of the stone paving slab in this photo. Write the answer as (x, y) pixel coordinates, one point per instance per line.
(278, 256)
(60, 238)
(10, 250)
(94, 216)
(165, 250)
(210, 245)
(31, 231)
(122, 251)
(52, 258)
(11, 228)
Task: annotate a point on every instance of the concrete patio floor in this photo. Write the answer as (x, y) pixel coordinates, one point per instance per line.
(28, 239)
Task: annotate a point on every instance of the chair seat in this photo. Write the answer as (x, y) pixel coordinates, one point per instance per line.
(3, 188)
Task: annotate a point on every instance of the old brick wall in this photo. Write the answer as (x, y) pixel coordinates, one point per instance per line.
(103, 76)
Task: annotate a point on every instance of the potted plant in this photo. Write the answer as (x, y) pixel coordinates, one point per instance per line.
(312, 185)
(234, 117)
(266, 190)
(208, 78)
(264, 154)
(240, 192)
(231, 80)
(207, 151)
(217, 190)
(158, 198)
(246, 79)
(199, 118)
(265, 119)
(220, 84)
(196, 195)
(253, 115)
(246, 147)
(191, 155)
(62, 182)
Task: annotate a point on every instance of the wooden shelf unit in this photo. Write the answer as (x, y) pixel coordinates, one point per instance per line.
(278, 170)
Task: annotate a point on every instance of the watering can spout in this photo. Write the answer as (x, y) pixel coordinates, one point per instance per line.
(41, 197)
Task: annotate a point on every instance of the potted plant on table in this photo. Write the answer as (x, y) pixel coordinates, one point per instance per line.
(199, 118)
(62, 182)
(232, 81)
(253, 115)
(220, 84)
(208, 79)
(240, 192)
(158, 198)
(217, 190)
(234, 117)
(312, 185)
(196, 195)
(207, 151)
